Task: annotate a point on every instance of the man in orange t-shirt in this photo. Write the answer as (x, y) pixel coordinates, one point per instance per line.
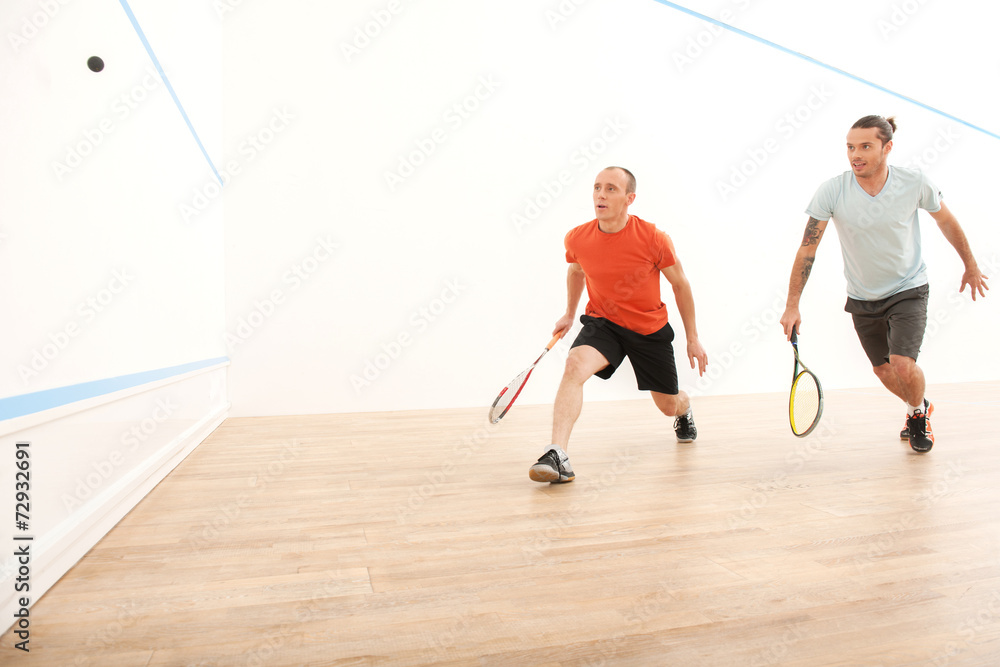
(619, 257)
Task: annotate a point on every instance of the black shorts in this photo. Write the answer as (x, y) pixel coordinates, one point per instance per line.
(652, 356)
(894, 325)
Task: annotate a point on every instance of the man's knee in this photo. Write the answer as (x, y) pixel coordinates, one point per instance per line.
(901, 365)
(574, 370)
(581, 364)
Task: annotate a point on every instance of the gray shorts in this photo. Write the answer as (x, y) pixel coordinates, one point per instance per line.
(894, 325)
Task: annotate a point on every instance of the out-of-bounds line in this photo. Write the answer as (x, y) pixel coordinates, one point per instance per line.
(26, 404)
(785, 49)
(166, 82)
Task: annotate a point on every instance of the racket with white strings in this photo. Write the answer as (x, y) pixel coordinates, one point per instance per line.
(805, 401)
(505, 399)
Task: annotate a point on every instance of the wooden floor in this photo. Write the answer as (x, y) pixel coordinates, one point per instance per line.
(418, 539)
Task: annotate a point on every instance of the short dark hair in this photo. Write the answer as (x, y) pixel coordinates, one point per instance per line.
(885, 126)
(629, 179)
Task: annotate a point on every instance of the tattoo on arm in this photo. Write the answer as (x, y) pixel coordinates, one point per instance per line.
(813, 233)
(807, 267)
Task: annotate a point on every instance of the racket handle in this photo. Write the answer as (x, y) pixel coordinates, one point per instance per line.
(555, 339)
(794, 337)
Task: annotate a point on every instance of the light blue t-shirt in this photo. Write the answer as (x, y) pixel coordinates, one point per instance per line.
(880, 235)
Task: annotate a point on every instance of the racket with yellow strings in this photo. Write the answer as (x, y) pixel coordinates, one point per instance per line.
(805, 401)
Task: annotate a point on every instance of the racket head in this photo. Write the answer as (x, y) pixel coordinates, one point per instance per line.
(505, 399)
(508, 395)
(805, 403)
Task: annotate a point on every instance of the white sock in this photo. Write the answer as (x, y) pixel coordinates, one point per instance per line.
(910, 409)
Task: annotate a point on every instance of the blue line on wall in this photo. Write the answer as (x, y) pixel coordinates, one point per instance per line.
(166, 81)
(26, 404)
(812, 60)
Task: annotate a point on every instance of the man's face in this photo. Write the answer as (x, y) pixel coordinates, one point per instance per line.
(866, 152)
(611, 202)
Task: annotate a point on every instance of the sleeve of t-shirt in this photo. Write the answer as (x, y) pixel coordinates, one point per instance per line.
(821, 206)
(664, 250)
(930, 196)
(570, 255)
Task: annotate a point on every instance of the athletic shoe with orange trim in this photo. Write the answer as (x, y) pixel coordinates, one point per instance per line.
(905, 433)
(921, 435)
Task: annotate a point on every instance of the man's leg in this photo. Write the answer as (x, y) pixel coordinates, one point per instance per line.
(601, 353)
(909, 379)
(677, 405)
(891, 332)
(554, 466)
(583, 361)
(903, 378)
(672, 405)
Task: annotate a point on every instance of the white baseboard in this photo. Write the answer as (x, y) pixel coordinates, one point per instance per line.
(59, 547)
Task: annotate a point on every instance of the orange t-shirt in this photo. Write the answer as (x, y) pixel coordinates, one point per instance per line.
(623, 272)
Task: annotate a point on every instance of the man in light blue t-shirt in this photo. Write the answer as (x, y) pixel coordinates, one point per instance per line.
(874, 208)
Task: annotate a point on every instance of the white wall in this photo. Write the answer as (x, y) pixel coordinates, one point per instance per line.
(438, 291)
(113, 361)
(95, 244)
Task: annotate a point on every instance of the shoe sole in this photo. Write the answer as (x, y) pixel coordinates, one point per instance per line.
(545, 473)
(688, 440)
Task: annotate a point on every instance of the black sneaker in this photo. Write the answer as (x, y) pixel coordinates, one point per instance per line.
(921, 435)
(684, 427)
(928, 410)
(550, 469)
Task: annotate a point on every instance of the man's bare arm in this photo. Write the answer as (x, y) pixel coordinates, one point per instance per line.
(952, 231)
(801, 268)
(575, 280)
(684, 298)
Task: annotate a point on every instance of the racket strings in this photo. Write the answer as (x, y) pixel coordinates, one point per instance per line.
(804, 405)
(508, 394)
